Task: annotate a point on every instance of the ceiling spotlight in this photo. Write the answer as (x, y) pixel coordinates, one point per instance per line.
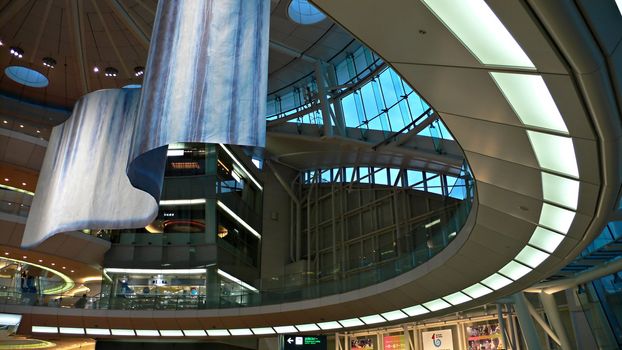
(38, 131)
(111, 72)
(23, 184)
(25, 257)
(1, 43)
(52, 264)
(138, 71)
(40, 260)
(96, 69)
(17, 52)
(21, 125)
(5, 122)
(6, 179)
(49, 62)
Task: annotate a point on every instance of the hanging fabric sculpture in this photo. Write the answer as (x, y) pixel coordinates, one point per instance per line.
(205, 81)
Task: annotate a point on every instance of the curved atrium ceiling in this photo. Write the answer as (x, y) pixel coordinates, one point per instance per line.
(80, 39)
(547, 176)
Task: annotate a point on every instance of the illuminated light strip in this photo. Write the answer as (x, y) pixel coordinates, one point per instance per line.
(457, 298)
(175, 152)
(97, 331)
(285, 329)
(415, 310)
(480, 31)
(329, 325)
(477, 290)
(217, 332)
(531, 257)
(435, 222)
(556, 218)
(194, 332)
(262, 330)
(171, 333)
(147, 333)
(514, 270)
(122, 332)
(44, 329)
(309, 327)
(560, 190)
(155, 271)
(238, 219)
(351, 322)
(182, 201)
(57, 290)
(70, 330)
(555, 153)
(371, 319)
(241, 331)
(394, 315)
(237, 280)
(619, 4)
(496, 281)
(11, 188)
(531, 100)
(10, 319)
(436, 304)
(546, 240)
(241, 166)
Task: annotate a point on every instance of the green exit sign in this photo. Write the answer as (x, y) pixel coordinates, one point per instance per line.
(303, 342)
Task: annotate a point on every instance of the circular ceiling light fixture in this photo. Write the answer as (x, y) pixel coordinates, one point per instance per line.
(302, 12)
(26, 76)
(16, 51)
(138, 71)
(49, 62)
(111, 72)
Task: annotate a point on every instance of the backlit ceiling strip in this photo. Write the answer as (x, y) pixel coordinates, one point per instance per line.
(104, 166)
(559, 177)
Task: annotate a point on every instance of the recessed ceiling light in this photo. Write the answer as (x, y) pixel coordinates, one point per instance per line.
(49, 62)
(21, 125)
(25, 257)
(23, 184)
(5, 122)
(53, 264)
(111, 72)
(72, 271)
(138, 71)
(40, 260)
(64, 267)
(17, 52)
(6, 179)
(6, 253)
(96, 69)
(38, 131)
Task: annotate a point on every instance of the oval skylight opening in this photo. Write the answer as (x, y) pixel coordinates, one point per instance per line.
(26, 76)
(302, 12)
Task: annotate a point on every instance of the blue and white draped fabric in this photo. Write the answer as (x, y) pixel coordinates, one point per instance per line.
(205, 81)
(206, 76)
(83, 181)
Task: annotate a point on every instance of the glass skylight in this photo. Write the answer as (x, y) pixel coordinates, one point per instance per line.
(457, 298)
(554, 152)
(560, 190)
(26, 76)
(496, 281)
(479, 29)
(515, 270)
(545, 239)
(531, 100)
(415, 310)
(302, 12)
(556, 218)
(436, 304)
(531, 256)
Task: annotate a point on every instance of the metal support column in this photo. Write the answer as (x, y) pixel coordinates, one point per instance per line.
(552, 313)
(526, 323)
(323, 97)
(502, 325)
(511, 327)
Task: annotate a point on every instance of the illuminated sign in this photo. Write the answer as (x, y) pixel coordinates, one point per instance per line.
(394, 342)
(303, 342)
(362, 344)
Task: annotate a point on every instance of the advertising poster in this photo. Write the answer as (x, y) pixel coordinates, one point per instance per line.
(438, 340)
(362, 344)
(394, 342)
(484, 336)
